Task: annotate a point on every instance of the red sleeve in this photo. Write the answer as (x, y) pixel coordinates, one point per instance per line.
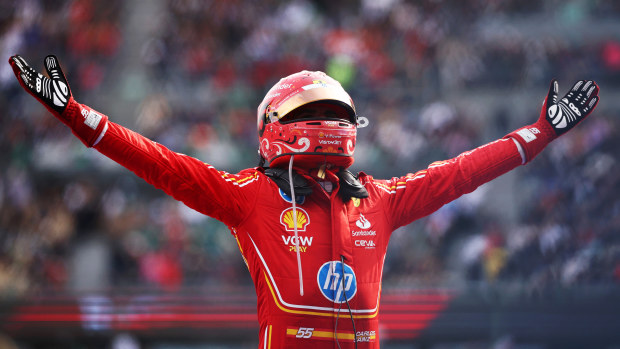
(223, 196)
(417, 195)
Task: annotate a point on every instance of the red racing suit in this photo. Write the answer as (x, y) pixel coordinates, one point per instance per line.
(330, 232)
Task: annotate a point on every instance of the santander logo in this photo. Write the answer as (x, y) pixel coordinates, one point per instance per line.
(362, 222)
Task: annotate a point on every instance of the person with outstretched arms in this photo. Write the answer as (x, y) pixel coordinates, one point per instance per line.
(312, 234)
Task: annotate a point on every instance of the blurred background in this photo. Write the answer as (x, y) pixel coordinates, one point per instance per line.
(92, 257)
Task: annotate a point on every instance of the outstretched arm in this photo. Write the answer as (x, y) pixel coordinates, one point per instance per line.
(420, 194)
(221, 195)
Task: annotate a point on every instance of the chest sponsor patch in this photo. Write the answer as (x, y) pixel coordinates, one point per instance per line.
(363, 229)
(301, 242)
(362, 222)
(337, 281)
(366, 243)
(299, 199)
(288, 219)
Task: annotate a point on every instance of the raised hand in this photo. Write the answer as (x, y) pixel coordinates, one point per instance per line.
(572, 108)
(556, 117)
(52, 91)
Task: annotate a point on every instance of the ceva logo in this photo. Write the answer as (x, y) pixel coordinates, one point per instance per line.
(337, 281)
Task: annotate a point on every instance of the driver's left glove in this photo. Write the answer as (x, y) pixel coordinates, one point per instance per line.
(557, 116)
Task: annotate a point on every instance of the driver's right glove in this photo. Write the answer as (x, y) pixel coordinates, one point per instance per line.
(54, 93)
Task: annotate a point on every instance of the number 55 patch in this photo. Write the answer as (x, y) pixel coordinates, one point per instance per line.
(302, 332)
(324, 334)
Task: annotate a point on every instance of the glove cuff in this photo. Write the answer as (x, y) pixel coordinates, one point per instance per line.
(86, 123)
(533, 138)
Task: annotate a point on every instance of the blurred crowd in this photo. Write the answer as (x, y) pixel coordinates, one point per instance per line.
(435, 78)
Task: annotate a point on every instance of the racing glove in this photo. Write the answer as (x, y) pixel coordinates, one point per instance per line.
(54, 93)
(557, 117)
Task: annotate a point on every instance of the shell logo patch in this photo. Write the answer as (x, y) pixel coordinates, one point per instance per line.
(288, 221)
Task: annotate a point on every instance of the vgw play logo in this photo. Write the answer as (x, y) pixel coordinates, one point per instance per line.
(337, 281)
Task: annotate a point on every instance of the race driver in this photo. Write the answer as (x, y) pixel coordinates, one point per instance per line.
(313, 235)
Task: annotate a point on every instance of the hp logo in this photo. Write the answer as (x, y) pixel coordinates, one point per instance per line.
(336, 285)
